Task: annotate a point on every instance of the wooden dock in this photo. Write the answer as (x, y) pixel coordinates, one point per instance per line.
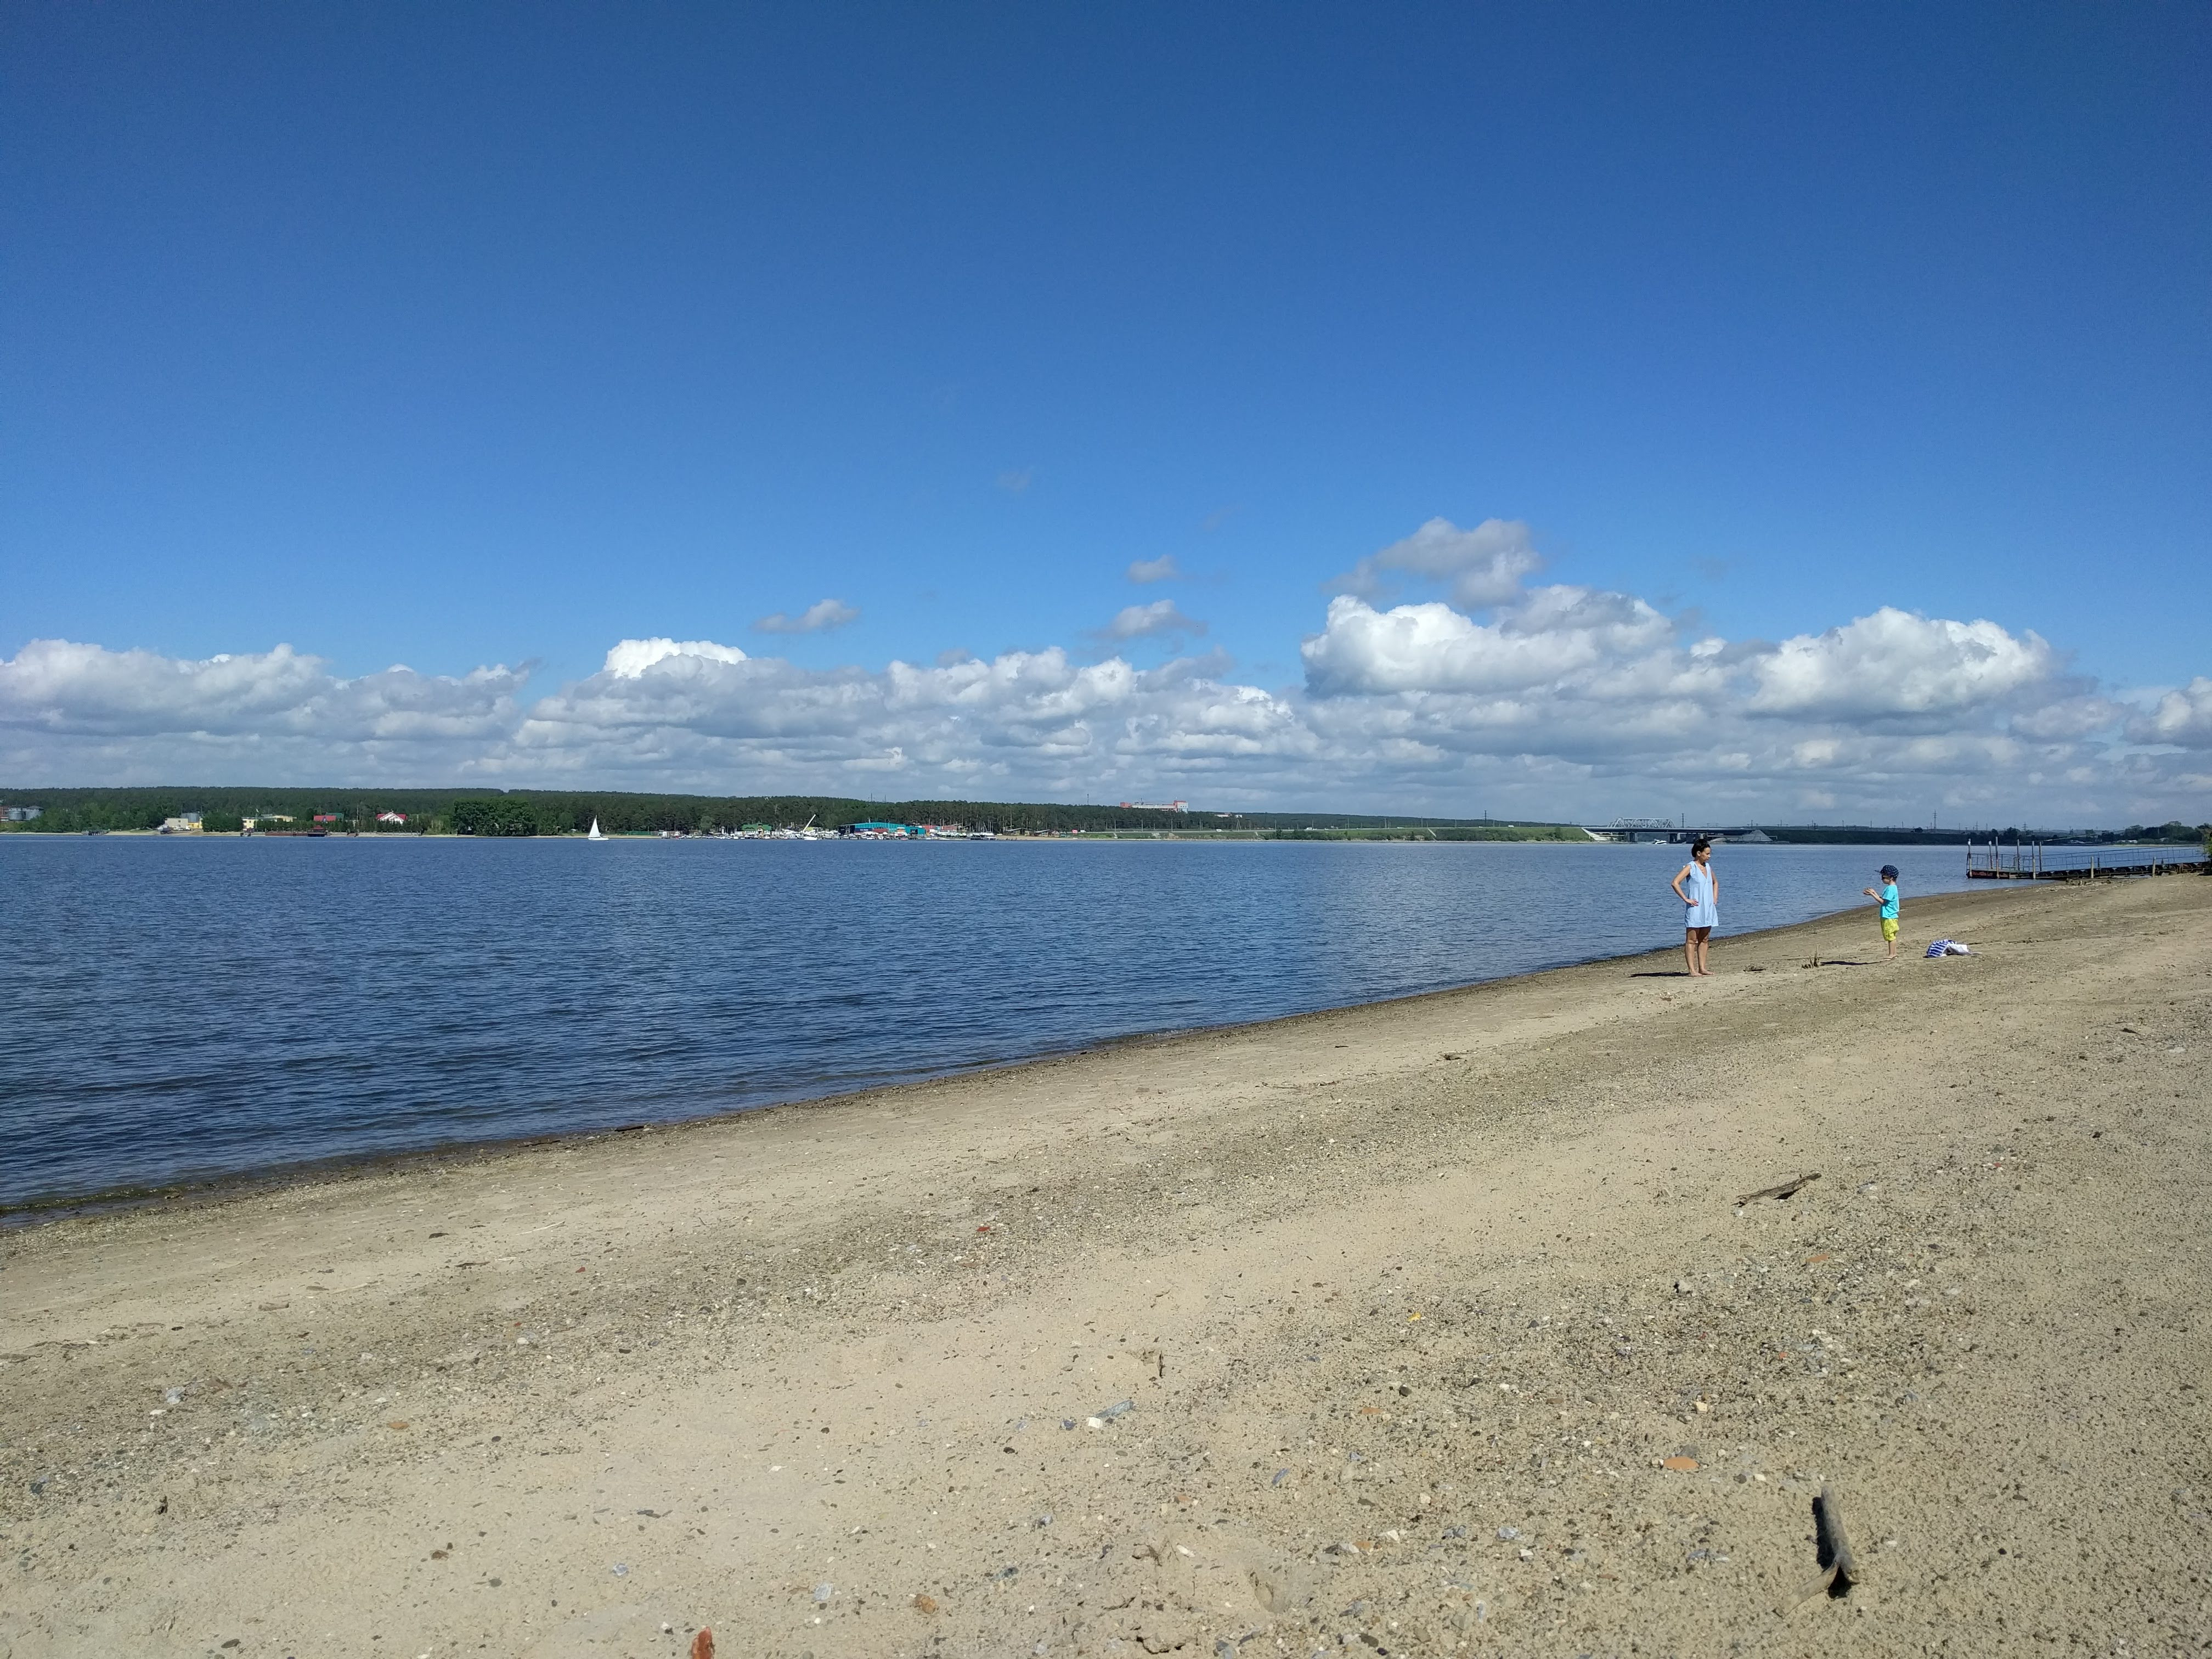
(2040, 862)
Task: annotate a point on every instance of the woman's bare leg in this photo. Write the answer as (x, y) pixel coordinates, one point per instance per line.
(1690, 949)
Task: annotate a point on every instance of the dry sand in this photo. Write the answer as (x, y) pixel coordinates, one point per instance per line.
(1440, 1328)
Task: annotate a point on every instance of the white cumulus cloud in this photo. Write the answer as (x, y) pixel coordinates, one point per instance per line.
(61, 685)
(1157, 620)
(1025, 721)
(627, 659)
(817, 618)
(1162, 569)
(1554, 636)
(1896, 663)
(83, 711)
(2183, 717)
(1484, 566)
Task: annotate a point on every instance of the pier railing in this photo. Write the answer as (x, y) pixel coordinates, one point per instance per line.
(2036, 860)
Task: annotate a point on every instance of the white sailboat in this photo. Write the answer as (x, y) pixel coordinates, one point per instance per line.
(595, 835)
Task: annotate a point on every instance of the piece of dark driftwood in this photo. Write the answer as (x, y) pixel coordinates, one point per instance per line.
(1829, 1518)
(1783, 1191)
(1839, 1568)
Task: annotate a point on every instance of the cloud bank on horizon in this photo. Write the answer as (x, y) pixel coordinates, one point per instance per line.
(1506, 695)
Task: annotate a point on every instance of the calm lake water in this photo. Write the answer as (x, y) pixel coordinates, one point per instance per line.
(173, 1009)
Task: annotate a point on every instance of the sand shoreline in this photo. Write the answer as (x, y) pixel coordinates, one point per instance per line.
(243, 1183)
(1441, 1327)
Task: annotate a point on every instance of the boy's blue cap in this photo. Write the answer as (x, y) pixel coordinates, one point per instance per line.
(1889, 871)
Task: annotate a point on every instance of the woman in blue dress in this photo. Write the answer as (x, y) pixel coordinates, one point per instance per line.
(1697, 886)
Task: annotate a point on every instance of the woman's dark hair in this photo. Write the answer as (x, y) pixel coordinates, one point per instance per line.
(1700, 845)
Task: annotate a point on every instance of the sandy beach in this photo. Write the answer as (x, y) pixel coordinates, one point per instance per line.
(1426, 1327)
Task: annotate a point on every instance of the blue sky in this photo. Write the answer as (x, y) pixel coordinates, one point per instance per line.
(497, 335)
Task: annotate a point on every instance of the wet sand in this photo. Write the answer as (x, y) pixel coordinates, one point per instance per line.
(1439, 1325)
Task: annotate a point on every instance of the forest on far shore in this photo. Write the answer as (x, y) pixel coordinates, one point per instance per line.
(555, 812)
(562, 812)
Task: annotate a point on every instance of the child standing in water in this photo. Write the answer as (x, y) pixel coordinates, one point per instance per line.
(1889, 908)
(1704, 897)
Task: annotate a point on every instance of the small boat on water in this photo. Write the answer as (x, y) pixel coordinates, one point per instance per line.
(594, 834)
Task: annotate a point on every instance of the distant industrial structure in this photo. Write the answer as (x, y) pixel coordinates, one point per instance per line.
(1156, 807)
(1635, 829)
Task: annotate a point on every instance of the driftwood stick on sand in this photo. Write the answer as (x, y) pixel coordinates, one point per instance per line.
(1828, 1517)
(1777, 1193)
(1839, 1569)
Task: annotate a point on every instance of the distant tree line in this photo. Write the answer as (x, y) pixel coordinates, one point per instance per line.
(558, 812)
(555, 812)
(2172, 831)
(69, 812)
(1412, 830)
(505, 815)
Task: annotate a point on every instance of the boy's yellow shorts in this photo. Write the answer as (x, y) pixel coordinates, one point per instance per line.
(1889, 929)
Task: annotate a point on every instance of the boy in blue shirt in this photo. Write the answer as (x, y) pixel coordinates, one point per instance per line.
(1889, 907)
